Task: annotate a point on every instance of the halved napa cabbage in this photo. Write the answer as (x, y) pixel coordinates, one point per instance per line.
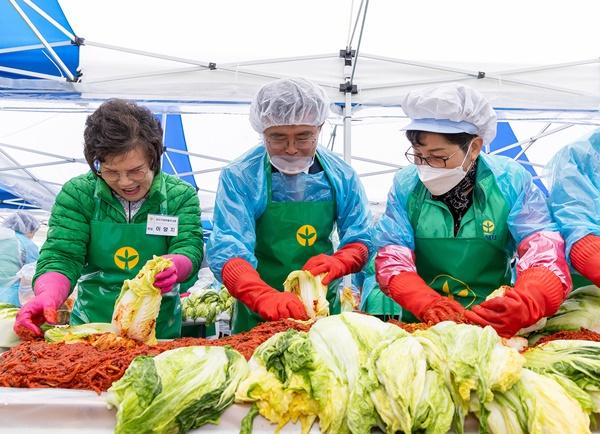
(137, 307)
(410, 397)
(474, 364)
(8, 314)
(536, 404)
(176, 391)
(71, 334)
(576, 361)
(348, 301)
(310, 290)
(280, 380)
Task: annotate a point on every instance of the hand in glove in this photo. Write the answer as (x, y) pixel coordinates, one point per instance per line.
(51, 289)
(178, 272)
(412, 293)
(349, 259)
(537, 293)
(585, 257)
(244, 283)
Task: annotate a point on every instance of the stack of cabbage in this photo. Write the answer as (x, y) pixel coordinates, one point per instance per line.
(207, 304)
(580, 310)
(176, 391)
(137, 307)
(354, 373)
(575, 364)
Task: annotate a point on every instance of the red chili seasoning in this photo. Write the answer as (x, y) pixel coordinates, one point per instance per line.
(96, 364)
(581, 334)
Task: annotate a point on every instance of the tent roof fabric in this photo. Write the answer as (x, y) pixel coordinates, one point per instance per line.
(172, 85)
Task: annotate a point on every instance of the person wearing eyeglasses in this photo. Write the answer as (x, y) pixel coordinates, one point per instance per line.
(107, 223)
(456, 217)
(278, 205)
(575, 204)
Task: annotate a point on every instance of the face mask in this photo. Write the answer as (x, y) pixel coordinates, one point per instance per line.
(441, 180)
(291, 165)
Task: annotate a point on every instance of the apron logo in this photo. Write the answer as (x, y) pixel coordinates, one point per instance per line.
(488, 227)
(306, 235)
(126, 258)
(455, 289)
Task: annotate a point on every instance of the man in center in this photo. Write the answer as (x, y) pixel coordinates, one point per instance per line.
(277, 208)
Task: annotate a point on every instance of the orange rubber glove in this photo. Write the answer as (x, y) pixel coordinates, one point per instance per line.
(585, 257)
(411, 292)
(349, 259)
(244, 283)
(537, 293)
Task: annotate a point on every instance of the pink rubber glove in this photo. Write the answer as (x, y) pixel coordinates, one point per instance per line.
(51, 290)
(178, 272)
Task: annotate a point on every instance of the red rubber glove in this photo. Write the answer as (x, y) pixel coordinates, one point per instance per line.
(51, 290)
(243, 282)
(349, 259)
(178, 272)
(585, 257)
(538, 293)
(412, 293)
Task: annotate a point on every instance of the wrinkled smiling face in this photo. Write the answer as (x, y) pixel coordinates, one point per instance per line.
(129, 175)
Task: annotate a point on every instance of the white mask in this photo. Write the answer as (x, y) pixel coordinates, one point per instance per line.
(441, 180)
(291, 164)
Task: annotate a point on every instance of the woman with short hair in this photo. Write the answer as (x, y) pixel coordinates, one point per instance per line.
(107, 223)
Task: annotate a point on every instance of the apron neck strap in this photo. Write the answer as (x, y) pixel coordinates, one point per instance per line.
(422, 193)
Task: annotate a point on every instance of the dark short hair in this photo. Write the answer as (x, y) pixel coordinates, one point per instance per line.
(460, 139)
(118, 126)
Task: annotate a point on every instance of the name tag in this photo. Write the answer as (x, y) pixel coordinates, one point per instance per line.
(166, 225)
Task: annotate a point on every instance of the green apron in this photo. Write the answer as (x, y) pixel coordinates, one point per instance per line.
(287, 235)
(373, 300)
(117, 251)
(468, 267)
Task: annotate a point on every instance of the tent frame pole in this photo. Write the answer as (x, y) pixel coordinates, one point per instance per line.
(522, 142)
(45, 43)
(33, 47)
(47, 154)
(51, 20)
(31, 73)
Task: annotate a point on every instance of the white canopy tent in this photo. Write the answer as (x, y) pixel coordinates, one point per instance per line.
(206, 61)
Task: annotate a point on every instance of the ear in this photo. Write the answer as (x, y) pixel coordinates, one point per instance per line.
(476, 148)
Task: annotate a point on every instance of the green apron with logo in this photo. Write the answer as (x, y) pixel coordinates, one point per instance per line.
(373, 300)
(117, 251)
(471, 265)
(287, 235)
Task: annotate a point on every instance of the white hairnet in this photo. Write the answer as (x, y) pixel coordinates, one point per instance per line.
(454, 102)
(289, 101)
(22, 222)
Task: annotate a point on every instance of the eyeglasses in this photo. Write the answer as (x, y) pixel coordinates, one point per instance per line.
(134, 174)
(439, 162)
(279, 144)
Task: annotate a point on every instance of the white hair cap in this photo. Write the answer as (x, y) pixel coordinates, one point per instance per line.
(289, 101)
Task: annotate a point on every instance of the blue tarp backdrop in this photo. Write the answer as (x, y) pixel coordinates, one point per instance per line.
(505, 136)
